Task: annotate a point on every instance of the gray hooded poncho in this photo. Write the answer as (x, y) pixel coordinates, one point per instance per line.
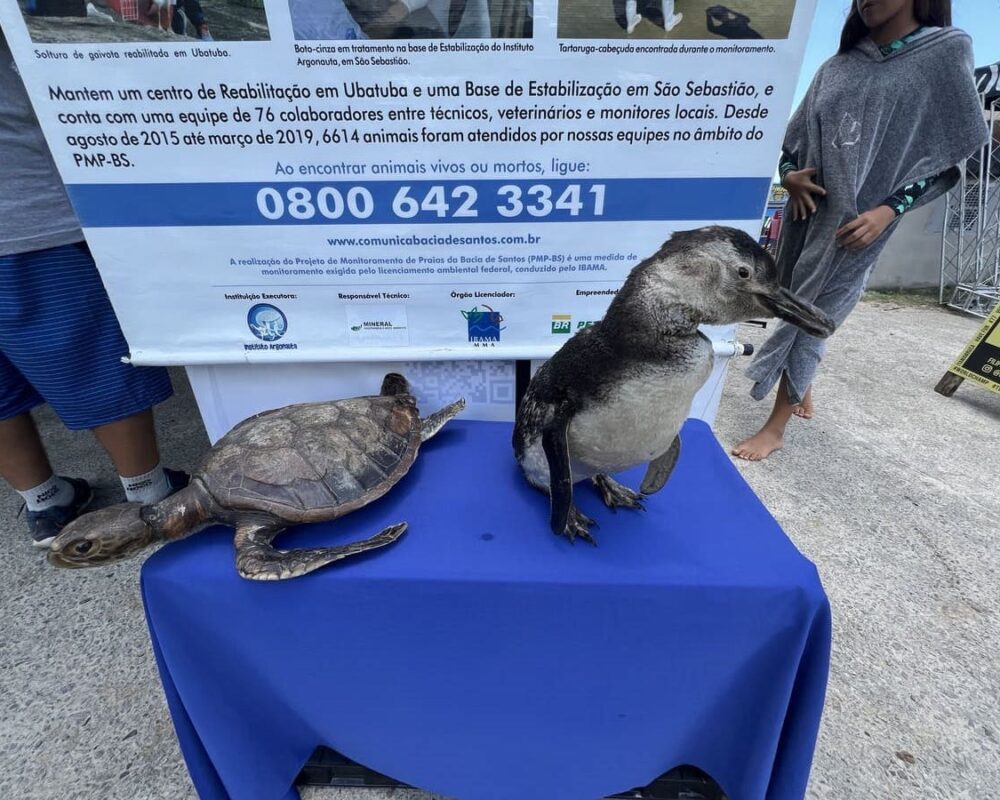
(870, 124)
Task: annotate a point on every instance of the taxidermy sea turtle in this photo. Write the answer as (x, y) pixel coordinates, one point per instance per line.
(310, 462)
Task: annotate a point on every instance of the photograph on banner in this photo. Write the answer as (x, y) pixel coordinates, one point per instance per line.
(162, 21)
(316, 202)
(411, 19)
(675, 19)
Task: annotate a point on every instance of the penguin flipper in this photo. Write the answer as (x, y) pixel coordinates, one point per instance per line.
(555, 443)
(660, 468)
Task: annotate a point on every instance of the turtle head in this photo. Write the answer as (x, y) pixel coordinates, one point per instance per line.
(103, 537)
(394, 384)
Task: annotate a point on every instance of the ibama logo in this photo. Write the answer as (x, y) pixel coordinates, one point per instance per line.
(484, 326)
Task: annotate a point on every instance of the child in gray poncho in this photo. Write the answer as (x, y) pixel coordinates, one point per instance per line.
(879, 132)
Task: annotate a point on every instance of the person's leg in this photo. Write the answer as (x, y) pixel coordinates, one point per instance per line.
(131, 443)
(196, 16)
(805, 408)
(632, 15)
(771, 437)
(670, 19)
(178, 21)
(620, 14)
(23, 461)
(838, 300)
(82, 377)
(51, 500)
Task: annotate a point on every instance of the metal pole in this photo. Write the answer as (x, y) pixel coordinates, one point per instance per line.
(944, 242)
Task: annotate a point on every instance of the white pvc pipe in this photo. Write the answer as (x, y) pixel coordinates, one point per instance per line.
(730, 348)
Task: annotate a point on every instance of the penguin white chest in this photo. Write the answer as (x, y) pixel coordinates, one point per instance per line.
(636, 421)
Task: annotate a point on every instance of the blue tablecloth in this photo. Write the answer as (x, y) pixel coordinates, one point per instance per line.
(484, 658)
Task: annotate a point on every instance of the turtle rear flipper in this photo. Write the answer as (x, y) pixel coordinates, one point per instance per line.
(257, 560)
(432, 424)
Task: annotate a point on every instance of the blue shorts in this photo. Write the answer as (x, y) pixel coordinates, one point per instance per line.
(60, 343)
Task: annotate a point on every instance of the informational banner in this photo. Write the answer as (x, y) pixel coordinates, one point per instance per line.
(980, 361)
(398, 179)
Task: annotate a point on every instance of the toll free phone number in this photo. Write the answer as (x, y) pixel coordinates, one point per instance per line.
(289, 204)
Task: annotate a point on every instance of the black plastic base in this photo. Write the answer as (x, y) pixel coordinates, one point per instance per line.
(329, 768)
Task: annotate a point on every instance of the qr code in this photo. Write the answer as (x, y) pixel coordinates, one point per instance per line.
(438, 383)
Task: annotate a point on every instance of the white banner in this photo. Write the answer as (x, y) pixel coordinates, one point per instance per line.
(374, 180)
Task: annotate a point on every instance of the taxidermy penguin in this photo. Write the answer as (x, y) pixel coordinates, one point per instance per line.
(616, 394)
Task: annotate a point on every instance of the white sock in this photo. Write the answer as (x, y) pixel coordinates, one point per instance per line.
(148, 488)
(632, 16)
(54, 492)
(670, 19)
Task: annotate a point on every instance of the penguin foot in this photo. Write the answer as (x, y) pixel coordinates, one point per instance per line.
(579, 524)
(616, 495)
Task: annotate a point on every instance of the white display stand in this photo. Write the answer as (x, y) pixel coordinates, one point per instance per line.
(228, 394)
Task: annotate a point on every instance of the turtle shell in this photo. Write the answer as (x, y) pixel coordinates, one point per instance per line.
(314, 461)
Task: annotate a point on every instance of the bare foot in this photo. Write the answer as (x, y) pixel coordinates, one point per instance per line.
(805, 408)
(759, 446)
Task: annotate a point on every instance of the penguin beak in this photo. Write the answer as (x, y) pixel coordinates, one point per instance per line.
(791, 308)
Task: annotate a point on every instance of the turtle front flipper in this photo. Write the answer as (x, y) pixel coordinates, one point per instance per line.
(257, 560)
(436, 421)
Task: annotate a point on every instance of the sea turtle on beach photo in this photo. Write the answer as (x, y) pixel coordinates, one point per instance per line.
(310, 462)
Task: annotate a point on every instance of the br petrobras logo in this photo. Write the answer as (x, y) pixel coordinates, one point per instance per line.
(267, 322)
(561, 323)
(484, 326)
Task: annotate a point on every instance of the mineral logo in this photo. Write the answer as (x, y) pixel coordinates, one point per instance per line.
(377, 325)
